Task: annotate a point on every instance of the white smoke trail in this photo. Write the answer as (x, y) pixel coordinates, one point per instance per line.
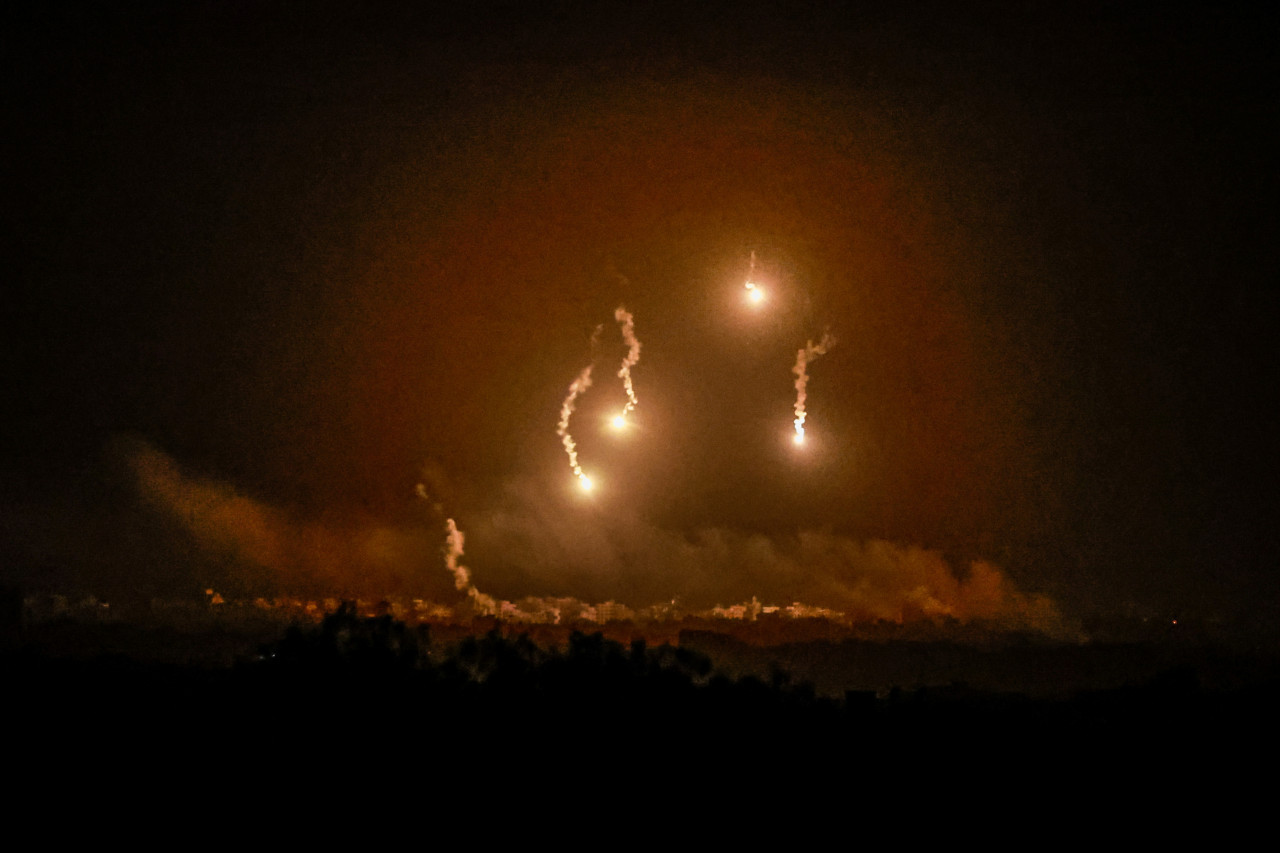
(454, 540)
(803, 357)
(453, 550)
(578, 386)
(633, 355)
(582, 383)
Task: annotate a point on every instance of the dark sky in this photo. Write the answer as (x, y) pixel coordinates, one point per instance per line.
(304, 256)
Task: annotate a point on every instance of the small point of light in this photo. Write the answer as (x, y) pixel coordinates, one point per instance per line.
(619, 421)
(755, 295)
(586, 484)
(799, 438)
(751, 285)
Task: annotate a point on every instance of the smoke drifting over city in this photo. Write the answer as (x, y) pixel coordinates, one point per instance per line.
(551, 555)
(266, 548)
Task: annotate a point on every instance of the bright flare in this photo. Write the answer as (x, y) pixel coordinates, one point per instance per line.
(619, 421)
(754, 294)
(585, 482)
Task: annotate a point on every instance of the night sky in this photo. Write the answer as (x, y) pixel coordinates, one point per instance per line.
(269, 266)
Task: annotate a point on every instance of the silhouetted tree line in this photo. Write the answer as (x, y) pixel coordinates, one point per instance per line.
(494, 690)
(590, 687)
(352, 687)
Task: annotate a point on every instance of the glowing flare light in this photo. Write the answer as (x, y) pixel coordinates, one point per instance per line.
(754, 294)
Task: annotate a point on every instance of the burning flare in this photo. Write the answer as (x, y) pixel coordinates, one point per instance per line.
(754, 294)
(803, 357)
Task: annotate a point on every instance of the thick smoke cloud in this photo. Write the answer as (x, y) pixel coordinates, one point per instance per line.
(534, 544)
(267, 547)
(624, 557)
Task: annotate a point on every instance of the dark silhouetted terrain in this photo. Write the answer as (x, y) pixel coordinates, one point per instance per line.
(354, 689)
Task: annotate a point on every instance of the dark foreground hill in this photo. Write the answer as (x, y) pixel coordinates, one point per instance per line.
(356, 689)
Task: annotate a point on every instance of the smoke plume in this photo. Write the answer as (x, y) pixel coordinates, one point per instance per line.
(579, 385)
(483, 604)
(267, 548)
(628, 325)
(538, 554)
(810, 352)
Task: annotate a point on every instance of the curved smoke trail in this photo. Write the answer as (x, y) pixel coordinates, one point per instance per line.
(582, 383)
(453, 550)
(461, 574)
(578, 386)
(627, 322)
(803, 357)
(480, 602)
